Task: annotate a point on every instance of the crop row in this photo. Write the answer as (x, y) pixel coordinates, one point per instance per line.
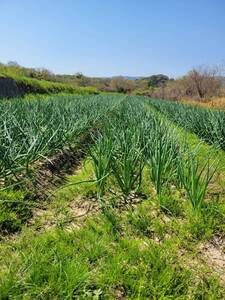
(208, 124)
(36, 129)
(134, 140)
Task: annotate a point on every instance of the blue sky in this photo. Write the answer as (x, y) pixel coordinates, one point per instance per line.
(119, 37)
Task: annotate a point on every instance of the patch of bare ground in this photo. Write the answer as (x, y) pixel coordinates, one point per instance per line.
(212, 253)
(69, 216)
(119, 293)
(210, 257)
(83, 207)
(80, 210)
(129, 202)
(73, 214)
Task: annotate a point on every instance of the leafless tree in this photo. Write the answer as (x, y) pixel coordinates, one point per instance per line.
(200, 83)
(121, 85)
(203, 82)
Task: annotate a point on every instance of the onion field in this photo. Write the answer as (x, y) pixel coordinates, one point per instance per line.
(135, 218)
(34, 130)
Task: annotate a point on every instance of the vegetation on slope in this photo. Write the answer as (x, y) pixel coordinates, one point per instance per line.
(15, 83)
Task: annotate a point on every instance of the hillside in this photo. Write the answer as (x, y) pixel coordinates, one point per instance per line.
(16, 81)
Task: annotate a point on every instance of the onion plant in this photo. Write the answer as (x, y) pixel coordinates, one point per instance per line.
(195, 178)
(162, 157)
(128, 159)
(101, 154)
(128, 162)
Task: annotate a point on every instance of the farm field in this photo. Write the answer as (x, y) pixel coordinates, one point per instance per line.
(111, 197)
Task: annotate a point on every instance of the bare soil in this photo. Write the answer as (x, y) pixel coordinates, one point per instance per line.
(213, 254)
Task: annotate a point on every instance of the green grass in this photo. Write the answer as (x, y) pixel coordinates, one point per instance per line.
(112, 253)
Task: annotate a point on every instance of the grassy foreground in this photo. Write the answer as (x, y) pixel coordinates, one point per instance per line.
(142, 251)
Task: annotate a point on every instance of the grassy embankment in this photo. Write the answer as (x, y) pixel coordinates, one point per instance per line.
(26, 85)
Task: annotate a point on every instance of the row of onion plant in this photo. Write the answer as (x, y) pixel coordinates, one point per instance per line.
(36, 129)
(208, 124)
(135, 138)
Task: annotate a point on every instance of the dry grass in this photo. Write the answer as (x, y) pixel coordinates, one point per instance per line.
(215, 102)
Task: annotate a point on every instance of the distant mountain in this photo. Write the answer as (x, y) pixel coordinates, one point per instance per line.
(133, 77)
(156, 77)
(128, 77)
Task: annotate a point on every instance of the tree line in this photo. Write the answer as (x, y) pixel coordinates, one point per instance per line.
(199, 83)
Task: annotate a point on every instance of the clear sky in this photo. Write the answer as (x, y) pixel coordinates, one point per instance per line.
(117, 37)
